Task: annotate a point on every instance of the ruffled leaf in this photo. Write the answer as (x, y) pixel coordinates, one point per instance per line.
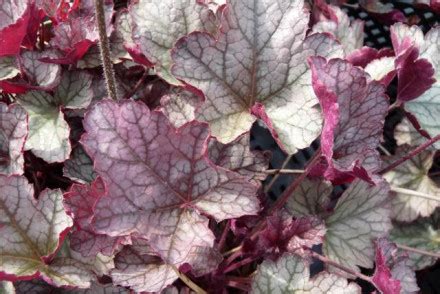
(142, 273)
(360, 216)
(160, 180)
(290, 274)
(238, 156)
(176, 19)
(13, 132)
(354, 110)
(413, 175)
(257, 66)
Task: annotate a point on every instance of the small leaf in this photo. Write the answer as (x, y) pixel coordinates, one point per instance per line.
(38, 73)
(255, 65)
(238, 156)
(142, 272)
(176, 19)
(8, 68)
(161, 185)
(422, 234)
(406, 134)
(7, 287)
(354, 110)
(48, 131)
(413, 175)
(13, 132)
(30, 233)
(349, 33)
(121, 36)
(79, 167)
(361, 215)
(179, 106)
(290, 274)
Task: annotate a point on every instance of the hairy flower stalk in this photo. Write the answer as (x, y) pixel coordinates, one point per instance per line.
(104, 49)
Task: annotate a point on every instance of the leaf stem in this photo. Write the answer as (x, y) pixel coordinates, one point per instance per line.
(341, 267)
(233, 250)
(138, 85)
(275, 178)
(419, 251)
(410, 155)
(104, 49)
(196, 288)
(414, 193)
(239, 264)
(284, 171)
(221, 242)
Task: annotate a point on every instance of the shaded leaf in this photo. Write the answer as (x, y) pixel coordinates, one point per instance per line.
(13, 132)
(38, 73)
(79, 167)
(8, 68)
(257, 66)
(290, 274)
(360, 215)
(160, 180)
(413, 175)
(176, 19)
(74, 91)
(406, 134)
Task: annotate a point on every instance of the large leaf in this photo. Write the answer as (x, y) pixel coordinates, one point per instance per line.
(38, 73)
(142, 273)
(290, 274)
(354, 110)
(13, 132)
(257, 65)
(361, 215)
(159, 24)
(160, 182)
(80, 201)
(238, 156)
(426, 106)
(423, 234)
(413, 175)
(30, 233)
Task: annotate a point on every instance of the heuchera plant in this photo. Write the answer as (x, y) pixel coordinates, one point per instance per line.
(125, 156)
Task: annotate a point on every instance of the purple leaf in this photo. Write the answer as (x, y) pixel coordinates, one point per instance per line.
(255, 61)
(13, 133)
(14, 19)
(161, 183)
(354, 110)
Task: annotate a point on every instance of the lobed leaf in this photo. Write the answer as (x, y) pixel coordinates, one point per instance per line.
(79, 167)
(160, 181)
(290, 274)
(39, 73)
(413, 175)
(159, 24)
(360, 215)
(256, 66)
(179, 106)
(13, 133)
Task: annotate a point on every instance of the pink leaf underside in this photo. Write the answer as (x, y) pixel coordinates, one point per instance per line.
(392, 274)
(161, 185)
(13, 132)
(286, 234)
(363, 56)
(415, 75)
(80, 201)
(354, 109)
(14, 18)
(256, 61)
(237, 156)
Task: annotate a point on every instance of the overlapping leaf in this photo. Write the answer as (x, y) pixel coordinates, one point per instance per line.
(79, 167)
(38, 73)
(160, 181)
(14, 18)
(159, 24)
(354, 110)
(13, 132)
(360, 216)
(392, 274)
(142, 273)
(31, 231)
(8, 68)
(257, 65)
(80, 201)
(237, 156)
(413, 175)
(422, 234)
(406, 134)
(290, 274)
(179, 106)
(48, 131)
(349, 33)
